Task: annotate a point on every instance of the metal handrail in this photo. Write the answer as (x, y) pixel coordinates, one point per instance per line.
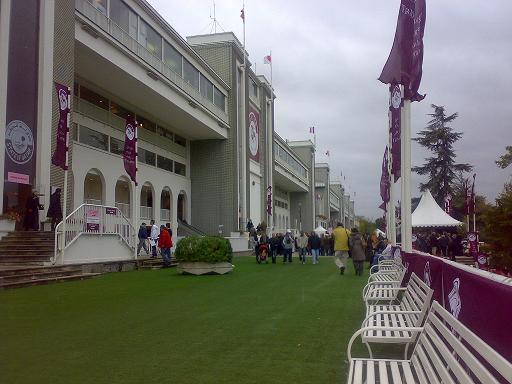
(93, 219)
(111, 28)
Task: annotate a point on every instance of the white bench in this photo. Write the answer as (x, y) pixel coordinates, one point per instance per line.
(446, 352)
(385, 280)
(409, 312)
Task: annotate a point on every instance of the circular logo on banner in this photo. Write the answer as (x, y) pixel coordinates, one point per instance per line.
(130, 132)
(19, 142)
(253, 134)
(414, 238)
(482, 259)
(472, 237)
(63, 100)
(396, 97)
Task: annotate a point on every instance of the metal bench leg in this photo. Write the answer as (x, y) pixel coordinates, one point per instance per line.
(406, 350)
(369, 350)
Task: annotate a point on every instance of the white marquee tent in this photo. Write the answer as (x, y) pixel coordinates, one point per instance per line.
(429, 214)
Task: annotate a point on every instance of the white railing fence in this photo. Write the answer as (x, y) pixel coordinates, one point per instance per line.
(146, 212)
(165, 214)
(93, 220)
(124, 208)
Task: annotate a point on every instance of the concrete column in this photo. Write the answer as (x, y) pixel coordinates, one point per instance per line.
(46, 90)
(5, 12)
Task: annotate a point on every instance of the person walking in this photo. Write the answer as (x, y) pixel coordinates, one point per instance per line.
(341, 247)
(302, 243)
(315, 243)
(153, 238)
(357, 245)
(165, 244)
(143, 236)
(274, 240)
(287, 246)
(55, 209)
(31, 219)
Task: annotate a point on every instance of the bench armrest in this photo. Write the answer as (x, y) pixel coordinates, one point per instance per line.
(390, 312)
(414, 330)
(369, 285)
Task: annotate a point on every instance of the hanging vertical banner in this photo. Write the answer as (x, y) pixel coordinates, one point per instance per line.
(467, 200)
(130, 148)
(395, 104)
(404, 64)
(61, 148)
(269, 200)
(448, 204)
(254, 134)
(384, 180)
(22, 91)
(473, 244)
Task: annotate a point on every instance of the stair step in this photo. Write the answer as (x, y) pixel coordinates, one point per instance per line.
(39, 275)
(16, 269)
(24, 259)
(26, 283)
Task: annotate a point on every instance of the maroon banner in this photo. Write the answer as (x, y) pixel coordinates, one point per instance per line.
(404, 64)
(130, 149)
(472, 238)
(479, 302)
(482, 304)
(254, 134)
(61, 148)
(22, 91)
(428, 268)
(269, 200)
(384, 180)
(395, 104)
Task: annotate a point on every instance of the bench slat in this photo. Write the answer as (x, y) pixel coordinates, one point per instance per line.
(425, 363)
(383, 372)
(395, 372)
(422, 379)
(358, 372)
(438, 365)
(409, 377)
(370, 373)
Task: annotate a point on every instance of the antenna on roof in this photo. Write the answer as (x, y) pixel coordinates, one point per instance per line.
(215, 22)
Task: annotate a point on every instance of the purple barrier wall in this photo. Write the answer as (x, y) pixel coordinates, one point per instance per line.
(481, 303)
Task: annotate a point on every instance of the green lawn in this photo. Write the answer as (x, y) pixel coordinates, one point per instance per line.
(259, 324)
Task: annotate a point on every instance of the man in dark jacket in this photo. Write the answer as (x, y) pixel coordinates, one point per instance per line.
(55, 210)
(143, 236)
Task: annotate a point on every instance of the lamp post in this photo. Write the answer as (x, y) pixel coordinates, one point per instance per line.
(300, 217)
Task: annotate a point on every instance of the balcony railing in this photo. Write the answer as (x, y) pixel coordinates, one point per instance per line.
(146, 212)
(111, 28)
(165, 214)
(290, 169)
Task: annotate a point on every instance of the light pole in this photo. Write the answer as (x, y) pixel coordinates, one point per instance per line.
(300, 217)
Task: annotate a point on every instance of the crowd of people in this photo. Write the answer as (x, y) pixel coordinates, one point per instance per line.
(342, 243)
(441, 244)
(156, 238)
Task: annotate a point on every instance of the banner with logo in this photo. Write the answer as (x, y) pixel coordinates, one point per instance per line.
(404, 64)
(22, 91)
(130, 149)
(472, 238)
(61, 148)
(254, 134)
(479, 302)
(395, 104)
(92, 220)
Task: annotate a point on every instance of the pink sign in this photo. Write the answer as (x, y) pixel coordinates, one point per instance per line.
(18, 178)
(92, 220)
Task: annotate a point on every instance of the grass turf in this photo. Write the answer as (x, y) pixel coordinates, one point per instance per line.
(259, 324)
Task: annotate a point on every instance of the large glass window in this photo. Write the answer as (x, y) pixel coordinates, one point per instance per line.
(117, 110)
(146, 157)
(116, 146)
(93, 138)
(180, 169)
(165, 133)
(93, 98)
(146, 124)
(219, 99)
(180, 140)
(149, 39)
(191, 74)
(254, 89)
(173, 58)
(124, 17)
(100, 5)
(206, 88)
(164, 163)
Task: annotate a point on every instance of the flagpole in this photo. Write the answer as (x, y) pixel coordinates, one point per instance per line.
(65, 195)
(135, 195)
(473, 206)
(405, 223)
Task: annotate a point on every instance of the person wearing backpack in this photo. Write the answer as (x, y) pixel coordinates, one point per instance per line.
(341, 247)
(287, 246)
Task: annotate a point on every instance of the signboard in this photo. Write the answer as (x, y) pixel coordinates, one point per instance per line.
(111, 211)
(92, 220)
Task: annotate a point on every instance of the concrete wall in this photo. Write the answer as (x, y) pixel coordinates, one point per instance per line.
(110, 248)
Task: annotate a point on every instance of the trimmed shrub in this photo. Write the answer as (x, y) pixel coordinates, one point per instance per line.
(207, 249)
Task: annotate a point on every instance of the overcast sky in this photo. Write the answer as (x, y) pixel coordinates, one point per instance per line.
(326, 59)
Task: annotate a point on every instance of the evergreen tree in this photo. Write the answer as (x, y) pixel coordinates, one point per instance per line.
(506, 159)
(441, 168)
